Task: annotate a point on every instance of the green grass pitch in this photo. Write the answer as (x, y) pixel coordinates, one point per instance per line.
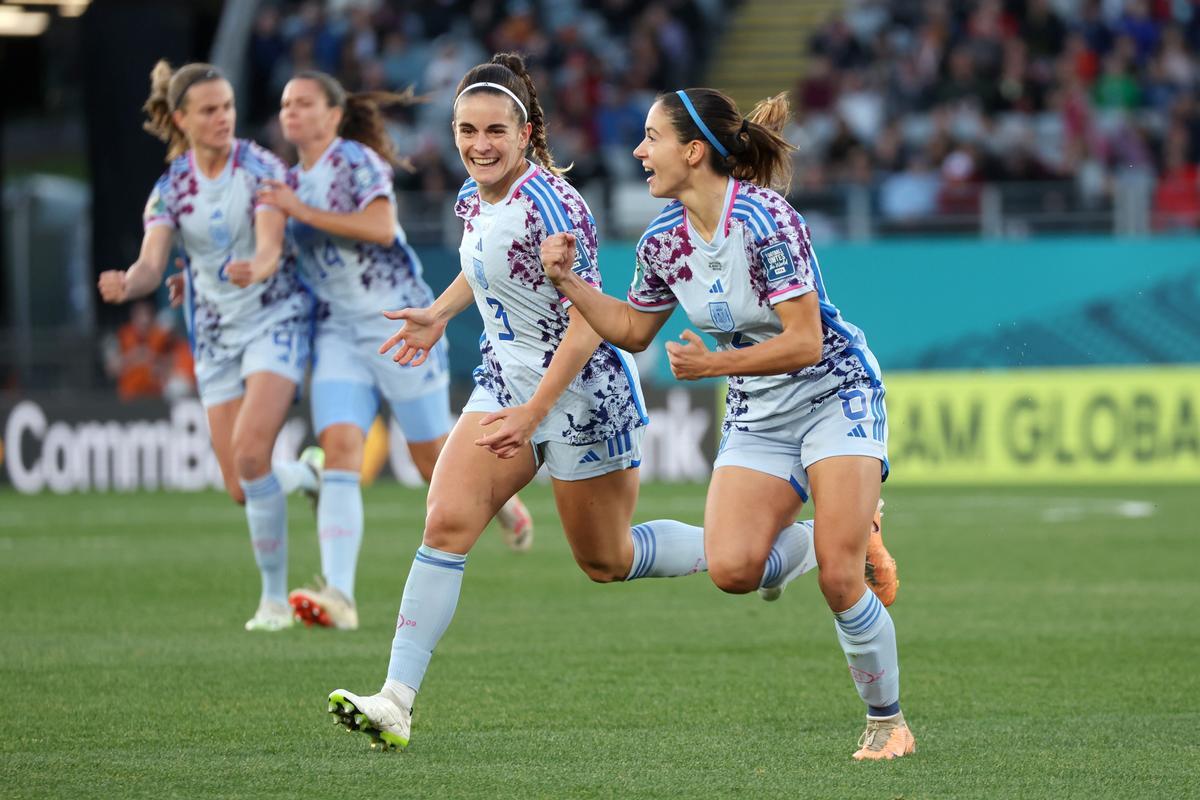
(1048, 637)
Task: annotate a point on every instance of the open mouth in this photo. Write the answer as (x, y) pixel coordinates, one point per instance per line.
(484, 162)
(650, 173)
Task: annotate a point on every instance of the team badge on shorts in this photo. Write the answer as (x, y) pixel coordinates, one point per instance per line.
(777, 260)
(722, 317)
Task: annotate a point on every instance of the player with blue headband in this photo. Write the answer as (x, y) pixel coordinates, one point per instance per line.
(804, 416)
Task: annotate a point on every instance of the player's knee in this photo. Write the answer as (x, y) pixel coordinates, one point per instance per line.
(445, 527)
(600, 570)
(841, 583)
(735, 576)
(252, 461)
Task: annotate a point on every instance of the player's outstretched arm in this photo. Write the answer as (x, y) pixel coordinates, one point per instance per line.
(423, 327)
(375, 223)
(615, 321)
(145, 274)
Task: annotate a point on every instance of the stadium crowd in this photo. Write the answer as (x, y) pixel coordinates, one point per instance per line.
(930, 99)
(922, 101)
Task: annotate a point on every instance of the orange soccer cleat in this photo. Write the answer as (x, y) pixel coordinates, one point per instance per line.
(886, 738)
(881, 567)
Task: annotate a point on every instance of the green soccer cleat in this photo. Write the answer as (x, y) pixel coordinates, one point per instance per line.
(386, 723)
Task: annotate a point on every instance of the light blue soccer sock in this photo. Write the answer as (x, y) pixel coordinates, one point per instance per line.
(340, 528)
(293, 475)
(868, 638)
(430, 597)
(791, 556)
(266, 514)
(664, 548)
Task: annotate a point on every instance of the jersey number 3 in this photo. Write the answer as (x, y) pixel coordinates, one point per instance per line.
(507, 334)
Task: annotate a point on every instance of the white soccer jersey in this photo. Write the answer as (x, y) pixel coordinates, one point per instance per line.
(524, 316)
(760, 256)
(214, 218)
(352, 278)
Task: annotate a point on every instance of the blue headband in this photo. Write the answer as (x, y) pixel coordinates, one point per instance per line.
(691, 109)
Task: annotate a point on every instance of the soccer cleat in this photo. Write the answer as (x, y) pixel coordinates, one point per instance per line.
(324, 605)
(517, 524)
(881, 567)
(270, 616)
(386, 723)
(885, 738)
(314, 459)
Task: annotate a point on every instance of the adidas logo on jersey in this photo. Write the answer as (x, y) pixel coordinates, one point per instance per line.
(716, 288)
(589, 457)
(857, 432)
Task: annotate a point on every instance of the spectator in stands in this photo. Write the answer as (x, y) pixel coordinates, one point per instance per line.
(141, 356)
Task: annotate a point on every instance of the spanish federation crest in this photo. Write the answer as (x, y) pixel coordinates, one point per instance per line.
(722, 317)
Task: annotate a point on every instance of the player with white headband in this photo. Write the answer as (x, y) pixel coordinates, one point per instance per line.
(549, 391)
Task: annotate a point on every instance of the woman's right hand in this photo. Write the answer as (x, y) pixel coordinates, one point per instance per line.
(420, 332)
(558, 256)
(112, 286)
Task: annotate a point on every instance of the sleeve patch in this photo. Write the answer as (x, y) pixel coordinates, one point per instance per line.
(583, 262)
(364, 176)
(777, 260)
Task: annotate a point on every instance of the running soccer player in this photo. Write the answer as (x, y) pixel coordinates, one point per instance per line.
(248, 315)
(805, 413)
(354, 256)
(549, 391)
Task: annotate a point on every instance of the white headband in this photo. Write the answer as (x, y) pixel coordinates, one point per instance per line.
(499, 88)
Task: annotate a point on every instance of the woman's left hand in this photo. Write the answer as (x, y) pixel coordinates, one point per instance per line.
(688, 360)
(278, 194)
(517, 425)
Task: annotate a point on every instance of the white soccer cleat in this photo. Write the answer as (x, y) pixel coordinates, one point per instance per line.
(271, 616)
(386, 723)
(517, 524)
(325, 606)
(314, 459)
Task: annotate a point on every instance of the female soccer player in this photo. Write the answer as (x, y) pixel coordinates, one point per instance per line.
(805, 413)
(248, 316)
(353, 255)
(546, 380)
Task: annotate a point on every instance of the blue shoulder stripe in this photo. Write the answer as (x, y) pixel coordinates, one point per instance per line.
(661, 225)
(755, 225)
(763, 223)
(548, 204)
(553, 202)
(469, 188)
(759, 210)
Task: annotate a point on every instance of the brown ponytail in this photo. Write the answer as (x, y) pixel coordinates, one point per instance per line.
(508, 70)
(168, 94)
(362, 113)
(757, 151)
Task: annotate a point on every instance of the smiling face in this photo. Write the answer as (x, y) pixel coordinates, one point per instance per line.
(668, 161)
(491, 141)
(207, 116)
(305, 114)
